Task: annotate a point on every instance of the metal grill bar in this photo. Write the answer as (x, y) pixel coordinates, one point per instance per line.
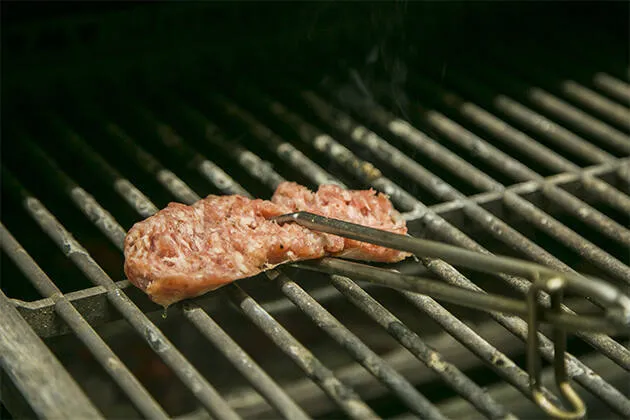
(444, 322)
(362, 300)
(341, 394)
(514, 138)
(534, 121)
(564, 180)
(85, 299)
(541, 220)
(568, 202)
(107, 224)
(520, 141)
(450, 321)
(494, 358)
(173, 183)
(262, 382)
(198, 385)
(588, 98)
(139, 396)
(63, 398)
(236, 151)
(415, 401)
(559, 108)
(132, 195)
(563, 110)
(175, 144)
(372, 362)
(547, 127)
(441, 291)
(455, 408)
(255, 166)
(401, 197)
(82, 199)
(579, 372)
(583, 247)
(389, 376)
(306, 303)
(613, 87)
(344, 396)
(207, 169)
(591, 381)
(504, 232)
(384, 150)
(578, 208)
(164, 176)
(286, 151)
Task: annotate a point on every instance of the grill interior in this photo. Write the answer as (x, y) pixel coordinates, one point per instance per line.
(490, 127)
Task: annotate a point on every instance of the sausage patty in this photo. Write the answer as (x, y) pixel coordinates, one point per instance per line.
(185, 251)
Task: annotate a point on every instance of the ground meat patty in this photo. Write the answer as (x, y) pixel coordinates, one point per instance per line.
(185, 251)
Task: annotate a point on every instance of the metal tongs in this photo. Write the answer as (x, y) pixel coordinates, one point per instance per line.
(617, 304)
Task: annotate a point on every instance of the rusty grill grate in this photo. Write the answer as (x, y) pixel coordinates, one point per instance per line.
(490, 154)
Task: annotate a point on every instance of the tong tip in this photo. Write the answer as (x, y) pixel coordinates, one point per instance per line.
(287, 218)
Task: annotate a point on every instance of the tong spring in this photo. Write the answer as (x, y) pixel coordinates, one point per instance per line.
(617, 317)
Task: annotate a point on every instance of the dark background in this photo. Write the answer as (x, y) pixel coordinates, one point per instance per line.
(167, 40)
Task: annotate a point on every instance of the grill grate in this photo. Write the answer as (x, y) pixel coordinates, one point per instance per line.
(493, 156)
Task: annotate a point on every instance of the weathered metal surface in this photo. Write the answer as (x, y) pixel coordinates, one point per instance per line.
(260, 380)
(197, 384)
(101, 351)
(416, 402)
(613, 86)
(410, 340)
(612, 349)
(336, 390)
(37, 374)
(492, 224)
(532, 198)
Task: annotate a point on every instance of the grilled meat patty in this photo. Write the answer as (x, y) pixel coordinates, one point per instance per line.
(185, 251)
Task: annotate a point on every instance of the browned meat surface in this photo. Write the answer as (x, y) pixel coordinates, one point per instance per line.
(185, 251)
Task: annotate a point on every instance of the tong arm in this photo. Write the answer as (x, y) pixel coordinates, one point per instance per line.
(592, 287)
(458, 295)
